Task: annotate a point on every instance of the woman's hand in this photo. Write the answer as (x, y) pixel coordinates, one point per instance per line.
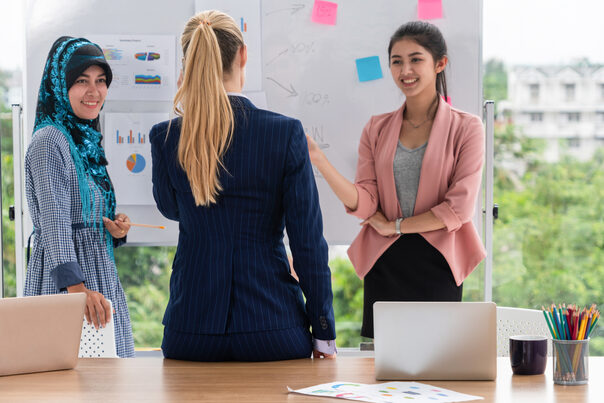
(119, 227)
(98, 309)
(316, 155)
(381, 224)
(317, 354)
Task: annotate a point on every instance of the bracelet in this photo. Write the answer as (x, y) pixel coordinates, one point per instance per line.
(397, 226)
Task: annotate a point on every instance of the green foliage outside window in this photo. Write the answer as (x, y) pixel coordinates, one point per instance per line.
(145, 276)
(6, 159)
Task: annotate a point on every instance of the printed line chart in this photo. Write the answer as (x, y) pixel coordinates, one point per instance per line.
(144, 66)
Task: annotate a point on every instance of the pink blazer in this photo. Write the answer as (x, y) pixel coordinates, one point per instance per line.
(449, 183)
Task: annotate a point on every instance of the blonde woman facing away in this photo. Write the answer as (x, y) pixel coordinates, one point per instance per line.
(234, 176)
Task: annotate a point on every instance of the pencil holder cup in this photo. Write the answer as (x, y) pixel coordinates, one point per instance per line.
(570, 361)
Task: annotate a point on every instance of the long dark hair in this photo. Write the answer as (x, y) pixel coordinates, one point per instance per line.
(429, 37)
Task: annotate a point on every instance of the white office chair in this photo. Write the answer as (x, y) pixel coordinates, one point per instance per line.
(98, 343)
(518, 321)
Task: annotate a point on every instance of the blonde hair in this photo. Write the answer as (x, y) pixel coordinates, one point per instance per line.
(210, 41)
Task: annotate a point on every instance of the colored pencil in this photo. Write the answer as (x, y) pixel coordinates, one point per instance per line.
(591, 328)
(565, 327)
(570, 322)
(583, 323)
(557, 321)
(145, 225)
(548, 322)
(551, 329)
(576, 328)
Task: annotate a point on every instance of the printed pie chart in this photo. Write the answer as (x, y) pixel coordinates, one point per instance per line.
(135, 163)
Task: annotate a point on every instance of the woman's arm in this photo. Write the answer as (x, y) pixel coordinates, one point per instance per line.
(424, 222)
(163, 191)
(359, 198)
(459, 202)
(304, 225)
(98, 310)
(342, 187)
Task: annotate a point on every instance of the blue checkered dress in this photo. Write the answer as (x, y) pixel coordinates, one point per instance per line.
(65, 251)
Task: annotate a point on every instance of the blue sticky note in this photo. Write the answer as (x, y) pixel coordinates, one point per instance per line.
(368, 68)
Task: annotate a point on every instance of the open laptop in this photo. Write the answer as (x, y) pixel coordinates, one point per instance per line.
(40, 333)
(435, 340)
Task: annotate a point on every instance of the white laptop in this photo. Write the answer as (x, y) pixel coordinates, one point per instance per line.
(435, 340)
(40, 333)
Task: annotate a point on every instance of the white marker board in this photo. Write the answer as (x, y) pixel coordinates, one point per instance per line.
(308, 72)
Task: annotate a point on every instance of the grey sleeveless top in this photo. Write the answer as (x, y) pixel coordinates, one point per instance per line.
(407, 168)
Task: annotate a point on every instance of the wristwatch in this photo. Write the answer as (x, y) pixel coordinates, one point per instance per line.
(397, 226)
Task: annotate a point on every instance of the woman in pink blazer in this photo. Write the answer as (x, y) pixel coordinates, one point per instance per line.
(418, 177)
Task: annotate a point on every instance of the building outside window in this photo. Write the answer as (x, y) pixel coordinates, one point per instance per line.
(534, 92)
(572, 116)
(574, 142)
(536, 116)
(569, 92)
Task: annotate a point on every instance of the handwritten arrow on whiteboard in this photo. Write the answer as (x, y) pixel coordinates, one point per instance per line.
(276, 57)
(291, 91)
(294, 9)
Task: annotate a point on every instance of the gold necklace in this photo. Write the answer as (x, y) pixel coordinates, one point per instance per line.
(428, 117)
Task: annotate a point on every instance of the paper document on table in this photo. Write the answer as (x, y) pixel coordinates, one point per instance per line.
(388, 392)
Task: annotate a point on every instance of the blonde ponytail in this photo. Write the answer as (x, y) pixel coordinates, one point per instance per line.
(209, 42)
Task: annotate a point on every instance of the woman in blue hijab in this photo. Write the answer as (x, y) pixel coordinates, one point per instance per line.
(70, 195)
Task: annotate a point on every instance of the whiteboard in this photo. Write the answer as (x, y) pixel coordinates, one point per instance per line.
(308, 72)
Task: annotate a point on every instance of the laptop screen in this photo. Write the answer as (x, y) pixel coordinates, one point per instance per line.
(40, 333)
(435, 340)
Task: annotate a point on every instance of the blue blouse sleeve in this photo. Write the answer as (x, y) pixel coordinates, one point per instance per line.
(117, 242)
(304, 225)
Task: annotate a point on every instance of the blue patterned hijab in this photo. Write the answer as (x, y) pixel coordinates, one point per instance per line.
(67, 60)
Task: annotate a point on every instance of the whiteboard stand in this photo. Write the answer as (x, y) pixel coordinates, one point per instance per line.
(18, 190)
(489, 116)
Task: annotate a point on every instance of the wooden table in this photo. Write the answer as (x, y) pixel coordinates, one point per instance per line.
(156, 379)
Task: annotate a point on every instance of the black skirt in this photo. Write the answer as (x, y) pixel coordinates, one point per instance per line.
(410, 270)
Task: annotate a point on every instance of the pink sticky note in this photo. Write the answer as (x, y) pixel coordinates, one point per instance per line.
(429, 9)
(324, 12)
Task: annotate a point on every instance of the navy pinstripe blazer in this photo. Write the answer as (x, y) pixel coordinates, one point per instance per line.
(231, 273)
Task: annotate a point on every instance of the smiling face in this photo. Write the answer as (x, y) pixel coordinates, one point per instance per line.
(88, 92)
(413, 68)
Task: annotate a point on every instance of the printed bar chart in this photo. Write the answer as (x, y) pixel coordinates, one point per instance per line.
(131, 139)
(129, 155)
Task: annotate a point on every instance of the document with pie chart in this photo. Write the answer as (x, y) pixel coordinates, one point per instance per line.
(128, 151)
